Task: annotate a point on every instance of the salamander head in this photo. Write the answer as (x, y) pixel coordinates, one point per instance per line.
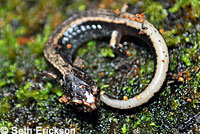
(82, 90)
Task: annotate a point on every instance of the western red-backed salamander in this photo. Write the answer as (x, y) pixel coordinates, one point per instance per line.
(78, 86)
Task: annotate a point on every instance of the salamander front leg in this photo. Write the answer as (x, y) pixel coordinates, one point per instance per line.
(48, 74)
(115, 43)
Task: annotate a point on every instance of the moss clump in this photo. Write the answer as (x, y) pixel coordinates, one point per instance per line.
(107, 52)
(156, 12)
(25, 92)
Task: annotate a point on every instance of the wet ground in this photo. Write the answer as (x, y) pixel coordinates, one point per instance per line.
(28, 100)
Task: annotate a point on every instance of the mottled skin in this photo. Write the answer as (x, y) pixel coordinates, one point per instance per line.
(80, 28)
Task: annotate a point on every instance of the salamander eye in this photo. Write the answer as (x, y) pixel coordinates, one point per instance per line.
(81, 86)
(95, 90)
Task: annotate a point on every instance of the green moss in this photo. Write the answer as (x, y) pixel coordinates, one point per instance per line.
(187, 39)
(148, 67)
(184, 3)
(78, 5)
(4, 107)
(57, 90)
(8, 43)
(178, 4)
(175, 104)
(82, 51)
(124, 129)
(26, 92)
(91, 45)
(173, 40)
(3, 82)
(136, 124)
(173, 62)
(156, 12)
(107, 52)
(152, 124)
(37, 46)
(104, 86)
(6, 124)
(40, 64)
(191, 51)
(186, 58)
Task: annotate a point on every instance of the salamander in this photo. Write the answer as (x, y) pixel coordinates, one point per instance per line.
(79, 88)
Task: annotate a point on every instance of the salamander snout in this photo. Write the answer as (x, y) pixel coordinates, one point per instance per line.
(87, 98)
(92, 100)
(83, 92)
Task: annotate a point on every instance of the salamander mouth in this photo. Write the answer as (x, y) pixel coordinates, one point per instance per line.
(88, 103)
(89, 107)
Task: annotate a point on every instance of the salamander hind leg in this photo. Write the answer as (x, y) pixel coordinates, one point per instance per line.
(115, 43)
